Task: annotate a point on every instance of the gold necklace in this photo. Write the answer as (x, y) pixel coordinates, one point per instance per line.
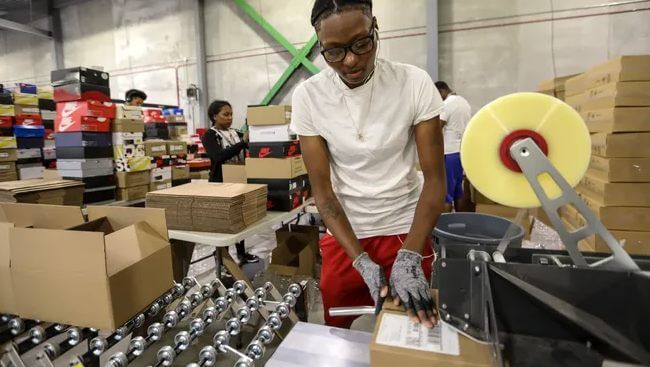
(359, 128)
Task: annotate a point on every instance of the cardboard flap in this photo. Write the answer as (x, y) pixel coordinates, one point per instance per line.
(41, 216)
(6, 291)
(124, 217)
(4, 244)
(130, 245)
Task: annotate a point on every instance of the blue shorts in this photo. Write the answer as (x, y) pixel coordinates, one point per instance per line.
(454, 171)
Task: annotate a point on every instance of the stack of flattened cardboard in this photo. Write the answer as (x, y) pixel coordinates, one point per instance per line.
(211, 207)
(555, 87)
(42, 191)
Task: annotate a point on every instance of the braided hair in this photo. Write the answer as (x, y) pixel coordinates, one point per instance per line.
(324, 8)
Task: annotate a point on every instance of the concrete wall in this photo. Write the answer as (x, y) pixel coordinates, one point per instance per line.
(487, 48)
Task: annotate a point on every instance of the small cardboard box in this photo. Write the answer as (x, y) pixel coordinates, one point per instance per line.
(133, 164)
(284, 201)
(8, 155)
(7, 110)
(153, 148)
(234, 173)
(120, 261)
(8, 142)
(131, 179)
(271, 134)
(618, 120)
(128, 138)
(268, 115)
(180, 173)
(132, 193)
(296, 251)
(274, 150)
(621, 69)
(620, 169)
(162, 174)
(160, 185)
(616, 194)
(629, 145)
(25, 99)
(278, 168)
(176, 148)
(129, 112)
(627, 94)
(127, 125)
(622, 218)
(27, 111)
(27, 215)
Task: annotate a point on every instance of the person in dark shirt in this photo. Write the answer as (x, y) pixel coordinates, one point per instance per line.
(224, 144)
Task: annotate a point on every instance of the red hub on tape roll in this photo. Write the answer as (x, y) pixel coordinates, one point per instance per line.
(513, 137)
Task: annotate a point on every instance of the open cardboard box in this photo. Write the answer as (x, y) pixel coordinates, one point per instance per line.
(27, 215)
(97, 274)
(297, 251)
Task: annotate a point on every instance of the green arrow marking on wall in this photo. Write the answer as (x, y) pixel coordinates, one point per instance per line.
(299, 56)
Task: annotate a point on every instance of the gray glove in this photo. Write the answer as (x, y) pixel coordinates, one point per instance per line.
(409, 283)
(371, 273)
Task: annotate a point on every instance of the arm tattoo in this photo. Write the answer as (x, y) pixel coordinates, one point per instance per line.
(330, 210)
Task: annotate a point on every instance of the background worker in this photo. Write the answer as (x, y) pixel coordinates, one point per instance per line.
(134, 97)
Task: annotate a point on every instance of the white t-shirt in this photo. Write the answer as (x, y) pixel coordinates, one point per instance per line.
(373, 177)
(457, 113)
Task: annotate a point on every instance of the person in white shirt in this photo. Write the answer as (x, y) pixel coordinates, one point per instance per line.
(361, 123)
(454, 118)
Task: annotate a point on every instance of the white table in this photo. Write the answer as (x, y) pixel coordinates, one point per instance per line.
(225, 239)
(322, 346)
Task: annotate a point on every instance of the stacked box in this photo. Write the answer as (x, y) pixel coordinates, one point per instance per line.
(47, 108)
(132, 163)
(8, 158)
(83, 140)
(274, 158)
(178, 151)
(617, 185)
(555, 87)
(30, 142)
(176, 123)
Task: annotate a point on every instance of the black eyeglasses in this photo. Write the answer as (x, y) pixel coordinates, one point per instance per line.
(359, 47)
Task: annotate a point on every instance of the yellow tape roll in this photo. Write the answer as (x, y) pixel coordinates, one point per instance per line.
(547, 120)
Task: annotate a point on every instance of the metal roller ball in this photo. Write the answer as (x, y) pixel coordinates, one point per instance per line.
(252, 304)
(255, 350)
(121, 333)
(60, 327)
(37, 334)
(17, 326)
(221, 304)
(137, 346)
(244, 315)
(283, 310)
(295, 289)
(208, 356)
(139, 320)
(118, 360)
(170, 319)
(197, 326)
(196, 298)
(168, 299)
(182, 340)
(177, 290)
(166, 356)
(155, 331)
(221, 339)
(274, 321)
(244, 362)
(233, 326)
(239, 287)
(51, 350)
(215, 284)
(154, 309)
(265, 334)
(268, 286)
(230, 294)
(185, 306)
(98, 345)
(210, 314)
(290, 299)
(260, 294)
(188, 283)
(74, 336)
(207, 290)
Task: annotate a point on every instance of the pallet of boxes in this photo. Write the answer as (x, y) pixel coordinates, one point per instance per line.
(83, 141)
(47, 108)
(555, 87)
(8, 146)
(274, 158)
(614, 100)
(177, 147)
(28, 131)
(132, 165)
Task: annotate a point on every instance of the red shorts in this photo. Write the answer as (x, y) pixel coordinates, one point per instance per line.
(342, 286)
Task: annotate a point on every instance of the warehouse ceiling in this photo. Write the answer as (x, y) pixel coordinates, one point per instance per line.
(23, 11)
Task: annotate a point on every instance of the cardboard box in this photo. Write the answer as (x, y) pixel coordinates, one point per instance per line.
(8, 142)
(83, 139)
(99, 195)
(91, 182)
(268, 115)
(29, 132)
(88, 173)
(76, 109)
(617, 120)
(555, 84)
(284, 201)
(128, 151)
(395, 342)
(629, 145)
(575, 85)
(176, 130)
(131, 179)
(578, 101)
(128, 138)
(277, 168)
(160, 185)
(129, 112)
(281, 185)
(29, 120)
(8, 155)
(132, 193)
(271, 134)
(620, 69)
(616, 194)
(234, 173)
(84, 164)
(7, 122)
(27, 111)
(120, 261)
(127, 125)
(620, 169)
(33, 216)
(80, 74)
(26, 88)
(636, 243)
(82, 124)
(180, 173)
(133, 164)
(161, 174)
(25, 99)
(77, 91)
(46, 100)
(156, 131)
(628, 94)
(274, 150)
(30, 171)
(296, 252)
(7, 110)
(154, 148)
(176, 148)
(623, 218)
(200, 175)
(28, 153)
(84, 152)
(48, 115)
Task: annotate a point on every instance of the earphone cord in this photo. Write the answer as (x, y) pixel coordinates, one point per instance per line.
(433, 255)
